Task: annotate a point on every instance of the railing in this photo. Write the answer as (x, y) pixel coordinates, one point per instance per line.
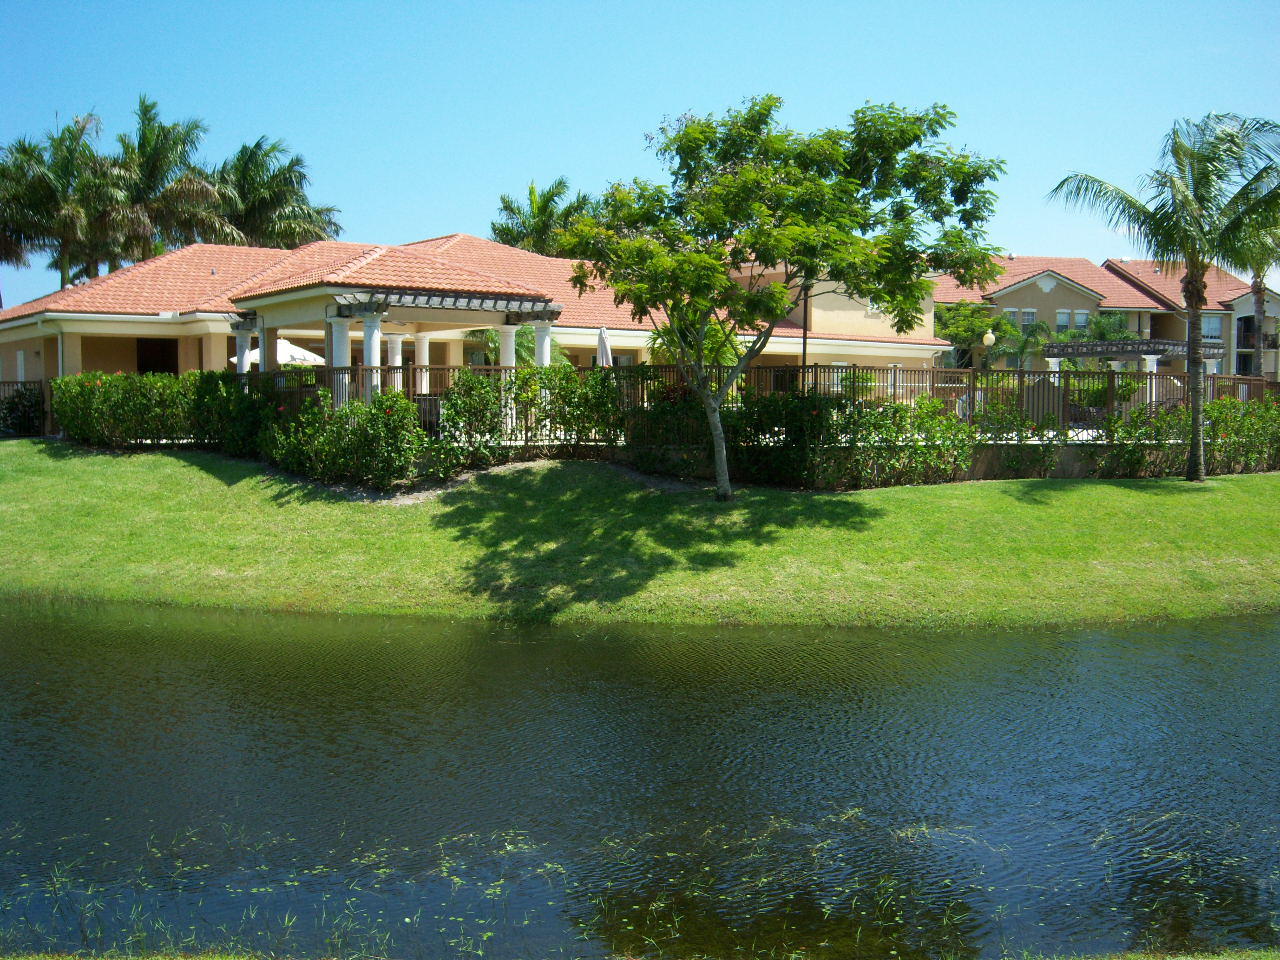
(1073, 404)
(23, 407)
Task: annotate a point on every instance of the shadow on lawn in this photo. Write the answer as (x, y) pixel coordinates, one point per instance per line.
(572, 533)
(1042, 492)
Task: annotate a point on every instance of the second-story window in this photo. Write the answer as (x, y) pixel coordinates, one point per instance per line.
(1082, 319)
(1064, 321)
(1212, 327)
(1028, 320)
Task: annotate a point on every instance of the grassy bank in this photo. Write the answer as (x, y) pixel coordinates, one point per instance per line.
(580, 542)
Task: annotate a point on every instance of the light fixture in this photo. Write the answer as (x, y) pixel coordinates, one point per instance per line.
(988, 339)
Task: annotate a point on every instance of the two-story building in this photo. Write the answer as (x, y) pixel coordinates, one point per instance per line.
(1065, 293)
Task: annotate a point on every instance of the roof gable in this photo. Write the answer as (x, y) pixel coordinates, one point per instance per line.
(1115, 292)
(1221, 287)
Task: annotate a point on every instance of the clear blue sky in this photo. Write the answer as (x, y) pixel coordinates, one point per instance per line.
(414, 117)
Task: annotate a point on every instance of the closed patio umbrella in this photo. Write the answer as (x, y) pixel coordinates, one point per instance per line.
(287, 352)
(604, 355)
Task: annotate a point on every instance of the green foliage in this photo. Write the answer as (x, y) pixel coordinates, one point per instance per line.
(539, 223)
(757, 215)
(471, 418)
(379, 443)
(86, 209)
(124, 410)
(964, 324)
(22, 410)
(1241, 437)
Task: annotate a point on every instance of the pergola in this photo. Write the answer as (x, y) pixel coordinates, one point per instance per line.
(371, 307)
(1148, 351)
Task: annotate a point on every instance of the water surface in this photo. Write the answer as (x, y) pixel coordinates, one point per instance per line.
(363, 786)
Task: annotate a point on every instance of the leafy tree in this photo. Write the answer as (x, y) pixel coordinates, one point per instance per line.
(756, 215)
(1109, 325)
(263, 191)
(1217, 179)
(964, 324)
(537, 224)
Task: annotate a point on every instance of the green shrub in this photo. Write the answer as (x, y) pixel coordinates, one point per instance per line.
(379, 443)
(893, 444)
(22, 410)
(471, 419)
(123, 410)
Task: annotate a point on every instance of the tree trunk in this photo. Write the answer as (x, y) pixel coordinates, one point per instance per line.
(64, 266)
(1259, 311)
(1193, 296)
(724, 492)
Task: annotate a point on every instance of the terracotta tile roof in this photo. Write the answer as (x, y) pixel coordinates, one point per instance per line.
(1114, 291)
(552, 274)
(197, 277)
(1221, 287)
(336, 263)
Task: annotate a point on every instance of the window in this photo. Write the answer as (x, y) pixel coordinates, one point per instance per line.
(1212, 326)
(1028, 320)
(873, 308)
(22, 365)
(1011, 315)
(1064, 321)
(1082, 319)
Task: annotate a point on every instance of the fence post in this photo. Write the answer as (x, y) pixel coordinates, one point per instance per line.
(973, 394)
(1064, 415)
(1111, 393)
(853, 379)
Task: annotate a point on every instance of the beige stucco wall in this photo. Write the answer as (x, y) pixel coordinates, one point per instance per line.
(831, 311)
(34, 350)
(109, 354)
(1031, 296)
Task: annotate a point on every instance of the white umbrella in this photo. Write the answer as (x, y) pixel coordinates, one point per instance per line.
(604, 355)
(287, 352)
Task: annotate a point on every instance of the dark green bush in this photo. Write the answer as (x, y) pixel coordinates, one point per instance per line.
(379, 443)
(22, 410)
(122, 410)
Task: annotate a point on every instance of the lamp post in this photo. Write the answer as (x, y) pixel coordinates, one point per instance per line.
(988, 341)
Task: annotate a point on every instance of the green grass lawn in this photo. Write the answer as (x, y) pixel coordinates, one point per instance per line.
(579, 542)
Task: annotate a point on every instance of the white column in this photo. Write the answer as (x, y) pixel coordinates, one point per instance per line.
(542, 344)
(1149, 361)
(422, 359)
(395, 360)
(244, 343)
(373, 352)
(507, 345)
(266, 346)
(340, 357)
(1055, 363)
(340, 337)
(1211, 367)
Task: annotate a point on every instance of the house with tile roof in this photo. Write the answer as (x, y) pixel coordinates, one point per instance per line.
(1064, 293)
(199, 307)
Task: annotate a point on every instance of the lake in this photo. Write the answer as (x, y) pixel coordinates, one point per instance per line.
(340, 786)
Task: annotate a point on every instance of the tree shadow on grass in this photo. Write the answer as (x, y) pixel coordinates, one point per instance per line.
(282, 489)
(1044, 492)
(572, 533)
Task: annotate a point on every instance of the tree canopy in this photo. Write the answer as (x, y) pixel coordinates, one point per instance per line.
(539, 222)
(756, 214)
(60, 195)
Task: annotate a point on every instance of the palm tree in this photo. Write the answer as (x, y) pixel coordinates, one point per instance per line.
(720, 346)
(1217, 177)
(61, 197)
(1258, 253)
(173, 201)
(264, 198)
(536, 224)
(487, 339)
(1022, 345)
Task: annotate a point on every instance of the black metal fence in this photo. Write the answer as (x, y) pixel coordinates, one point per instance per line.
(1074, 404)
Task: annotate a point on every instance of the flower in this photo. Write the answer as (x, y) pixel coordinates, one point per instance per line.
(280, 409)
